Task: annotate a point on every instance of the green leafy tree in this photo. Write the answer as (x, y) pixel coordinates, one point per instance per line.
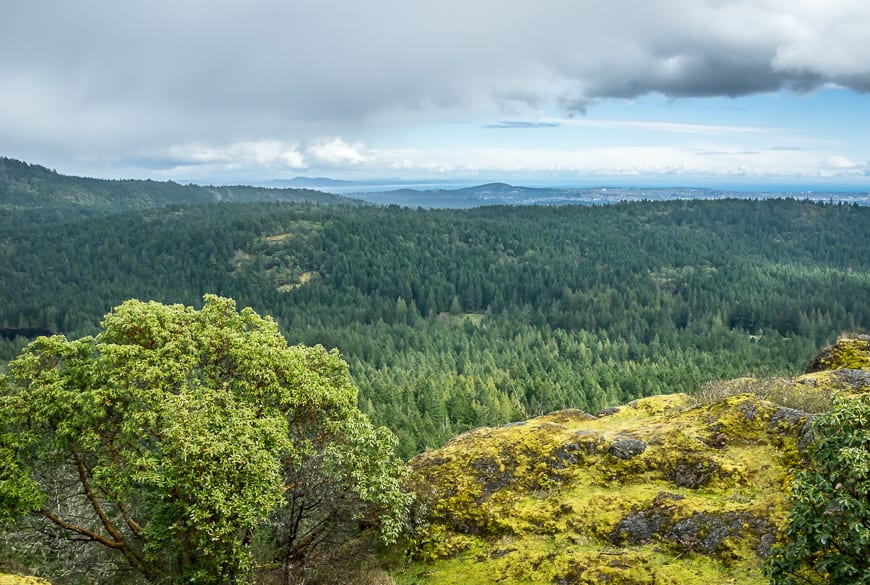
(178, 437)
(827, 539)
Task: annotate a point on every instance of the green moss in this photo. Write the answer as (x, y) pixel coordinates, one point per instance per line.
(849, 352)
(541, 561)
(665, 489)
(664, 404)
(6, 579)
(554, 500)
(810, 393)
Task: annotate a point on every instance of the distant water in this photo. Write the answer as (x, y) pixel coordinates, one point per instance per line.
(379, 187)
(375, 186)
(454, 196)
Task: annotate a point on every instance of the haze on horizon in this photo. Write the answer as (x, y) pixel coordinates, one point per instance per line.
(684, 92)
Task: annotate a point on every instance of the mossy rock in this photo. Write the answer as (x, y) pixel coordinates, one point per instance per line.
(6, 579)
(849, 352)
(811, 392)
(686, 526)
(667, 489)
(571, 498)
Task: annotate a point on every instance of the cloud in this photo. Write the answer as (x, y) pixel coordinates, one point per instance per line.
(725, 152)
(669, 127)
(489, 162)
(823, 42)
(246, 161)
(337, 152)
(275, 156)
(274, 83)
(335, 59)
(843, 163)
(519, 124)
(265, 153)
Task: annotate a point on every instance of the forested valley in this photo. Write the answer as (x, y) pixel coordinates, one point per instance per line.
(451, 320)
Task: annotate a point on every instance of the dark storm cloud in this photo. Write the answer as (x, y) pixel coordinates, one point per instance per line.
(699, 75)
(101, 76)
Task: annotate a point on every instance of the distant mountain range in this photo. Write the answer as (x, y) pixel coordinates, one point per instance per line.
(312, 183)
(342, 186)
(31, 193)
(504, 194)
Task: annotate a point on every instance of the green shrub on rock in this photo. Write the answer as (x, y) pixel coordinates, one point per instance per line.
(827, 539)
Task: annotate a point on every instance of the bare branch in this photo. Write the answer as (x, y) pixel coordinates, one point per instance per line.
(83, 531)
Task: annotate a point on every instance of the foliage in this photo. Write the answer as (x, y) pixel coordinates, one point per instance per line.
(827, 539)
(176, 436)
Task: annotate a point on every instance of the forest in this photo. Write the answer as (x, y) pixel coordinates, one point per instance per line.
(450, 319)
(31, 193)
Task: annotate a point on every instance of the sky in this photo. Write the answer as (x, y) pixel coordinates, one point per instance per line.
(645, 92)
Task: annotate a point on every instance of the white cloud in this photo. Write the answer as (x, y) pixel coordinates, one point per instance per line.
(337, 152)
(265, 153)
(827, 40)
(714, 161)
(842, 164)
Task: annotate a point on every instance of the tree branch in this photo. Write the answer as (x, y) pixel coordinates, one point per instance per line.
(132, 524)
(92, 498)
(83, 531)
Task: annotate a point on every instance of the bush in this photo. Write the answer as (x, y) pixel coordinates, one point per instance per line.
(827, 539)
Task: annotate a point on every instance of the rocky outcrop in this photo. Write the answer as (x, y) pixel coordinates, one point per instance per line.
(850, 352)
(661, 490)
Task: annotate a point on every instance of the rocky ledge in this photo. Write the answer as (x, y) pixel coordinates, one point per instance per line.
(662, 490)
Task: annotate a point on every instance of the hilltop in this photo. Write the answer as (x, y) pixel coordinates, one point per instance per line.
(664, 489)
(31, 193)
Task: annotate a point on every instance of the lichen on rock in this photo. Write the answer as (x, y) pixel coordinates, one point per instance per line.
(664, 489)
(849, 352)
(627, 448)
(6, 579)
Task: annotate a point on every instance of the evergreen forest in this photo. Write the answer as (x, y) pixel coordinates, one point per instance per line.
(453, 319)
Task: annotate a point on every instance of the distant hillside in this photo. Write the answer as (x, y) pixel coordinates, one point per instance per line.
(665, 489)
(313, 183)
(32, 194)
(504, 194)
